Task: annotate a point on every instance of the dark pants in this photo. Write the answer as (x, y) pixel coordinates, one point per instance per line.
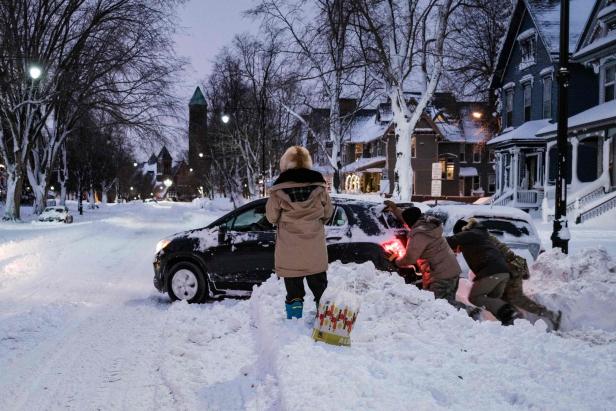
(295, 287)
(487, 292)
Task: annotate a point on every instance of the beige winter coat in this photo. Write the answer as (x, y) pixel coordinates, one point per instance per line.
(300, 237)
(427, 244)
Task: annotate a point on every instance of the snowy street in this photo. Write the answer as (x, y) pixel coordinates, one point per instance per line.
(81, 327)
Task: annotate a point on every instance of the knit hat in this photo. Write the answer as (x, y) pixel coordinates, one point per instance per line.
(460, 224)
(411, 215)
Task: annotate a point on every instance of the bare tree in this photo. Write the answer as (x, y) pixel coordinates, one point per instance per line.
(111, 56)
(322, 48)
(403, 41)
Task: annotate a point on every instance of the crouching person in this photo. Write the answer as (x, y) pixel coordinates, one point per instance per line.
(299, 206)
(514, 291)
(427, 248)
(490, 268)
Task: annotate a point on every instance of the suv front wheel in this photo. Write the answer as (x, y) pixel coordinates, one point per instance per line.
(187, 282)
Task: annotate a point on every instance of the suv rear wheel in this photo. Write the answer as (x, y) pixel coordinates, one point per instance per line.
(187, 282)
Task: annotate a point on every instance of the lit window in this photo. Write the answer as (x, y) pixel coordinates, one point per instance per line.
(547, 97)
(609, 83)
(448, 169)
(527, 101)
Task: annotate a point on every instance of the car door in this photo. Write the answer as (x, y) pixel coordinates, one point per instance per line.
(337, 232)
(245, 253)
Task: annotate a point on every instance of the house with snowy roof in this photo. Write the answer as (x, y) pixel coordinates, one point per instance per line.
(450, 133)
(526, 86)
(151, 178)
(591, 177)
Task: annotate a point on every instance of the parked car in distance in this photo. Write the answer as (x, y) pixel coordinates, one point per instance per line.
(236, 252)
(56, 213)
(510, 225)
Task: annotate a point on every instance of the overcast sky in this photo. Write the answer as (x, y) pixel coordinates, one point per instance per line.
(207, 26)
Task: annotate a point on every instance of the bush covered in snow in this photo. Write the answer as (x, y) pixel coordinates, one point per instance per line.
(213, 205)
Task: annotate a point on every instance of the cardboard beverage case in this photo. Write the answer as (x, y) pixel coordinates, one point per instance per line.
(336, 317)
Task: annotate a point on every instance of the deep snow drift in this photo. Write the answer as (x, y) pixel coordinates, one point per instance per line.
(81, 327)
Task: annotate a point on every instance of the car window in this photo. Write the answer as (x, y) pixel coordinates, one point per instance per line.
(252, 220)
(49, 209)
(516, 228)
(339, 218)
(441, 215)
(60, 210)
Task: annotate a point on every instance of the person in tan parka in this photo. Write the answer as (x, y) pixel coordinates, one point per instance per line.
(299, 206)
(427, 248)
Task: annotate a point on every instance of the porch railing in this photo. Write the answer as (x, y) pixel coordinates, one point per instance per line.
(503, 200)
(599, 209)
(533, 197)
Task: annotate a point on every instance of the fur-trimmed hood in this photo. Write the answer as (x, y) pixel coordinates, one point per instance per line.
(295, 157)
(473, 223)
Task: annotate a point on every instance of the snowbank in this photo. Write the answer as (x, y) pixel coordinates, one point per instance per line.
(582, 285)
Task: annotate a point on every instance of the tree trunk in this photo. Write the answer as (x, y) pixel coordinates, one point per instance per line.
(13, 195)
(404, 131)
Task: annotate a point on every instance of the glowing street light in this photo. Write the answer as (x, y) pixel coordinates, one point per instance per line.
(52, 188)
(225, 118)
(168, 183)
(135, 164)
(191, 170)
(35, 72)
(201, 155)
(131, 189)
(477, 114)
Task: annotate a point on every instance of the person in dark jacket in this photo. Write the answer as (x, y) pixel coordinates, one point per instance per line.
(299, 206)
(427, 248)
(514, 291)
(490, 269)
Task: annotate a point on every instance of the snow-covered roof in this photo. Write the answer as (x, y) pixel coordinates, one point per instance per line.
(603, 113)
(323, 169)
(468, 172)
(468, 130)
(364, 163)
(603, 42)
(526, 131)
(366, 129)
(546, 14)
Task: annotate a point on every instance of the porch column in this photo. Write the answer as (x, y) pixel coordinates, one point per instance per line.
(574, 159)
(515, 171)
(605, 172)
(497, 171)
(540, 168)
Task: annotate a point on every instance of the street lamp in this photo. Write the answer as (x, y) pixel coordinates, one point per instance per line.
(225, 118)
(135, 164)
(560, 233)
(168, 183)
(477, 115)
(201, 155)
(35, 72)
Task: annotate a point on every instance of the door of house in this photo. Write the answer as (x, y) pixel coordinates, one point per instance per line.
(531, 172)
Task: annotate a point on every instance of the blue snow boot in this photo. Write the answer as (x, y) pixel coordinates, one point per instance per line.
(294, 309)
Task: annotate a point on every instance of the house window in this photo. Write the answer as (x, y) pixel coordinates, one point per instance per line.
(476, 183)
(527, 101)
(462, 155)
(413, 147)
(528, 48)
(476, 154)
(547, 97)
(509, 108)
(448, 169)
(491, 183)
(359, 151)
(609, 83)
(491, 156)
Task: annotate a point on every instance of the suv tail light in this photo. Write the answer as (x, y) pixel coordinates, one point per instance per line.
(394, 247)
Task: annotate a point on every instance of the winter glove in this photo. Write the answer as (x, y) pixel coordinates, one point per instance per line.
(389, 205)
(390, 256)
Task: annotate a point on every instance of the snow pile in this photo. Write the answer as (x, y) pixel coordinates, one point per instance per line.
(411, 351)
(582, 285)
(217, 204)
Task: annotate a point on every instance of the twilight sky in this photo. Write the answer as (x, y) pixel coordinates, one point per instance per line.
(207, 26)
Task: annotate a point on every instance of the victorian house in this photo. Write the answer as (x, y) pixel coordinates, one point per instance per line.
(591, 177)
(526, 85)
(450, 136)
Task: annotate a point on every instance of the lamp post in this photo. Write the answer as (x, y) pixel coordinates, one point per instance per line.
(560, 234)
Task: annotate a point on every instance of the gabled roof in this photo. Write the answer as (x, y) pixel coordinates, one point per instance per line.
(546, 14)
(197, 99)
(597, 116)
(153, 159)
(525, 132)
(546, 18)
(164, 154)
(586, 28)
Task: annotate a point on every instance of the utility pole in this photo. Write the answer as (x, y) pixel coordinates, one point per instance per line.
(560, 235)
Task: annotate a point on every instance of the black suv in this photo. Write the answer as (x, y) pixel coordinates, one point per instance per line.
(236, 252)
